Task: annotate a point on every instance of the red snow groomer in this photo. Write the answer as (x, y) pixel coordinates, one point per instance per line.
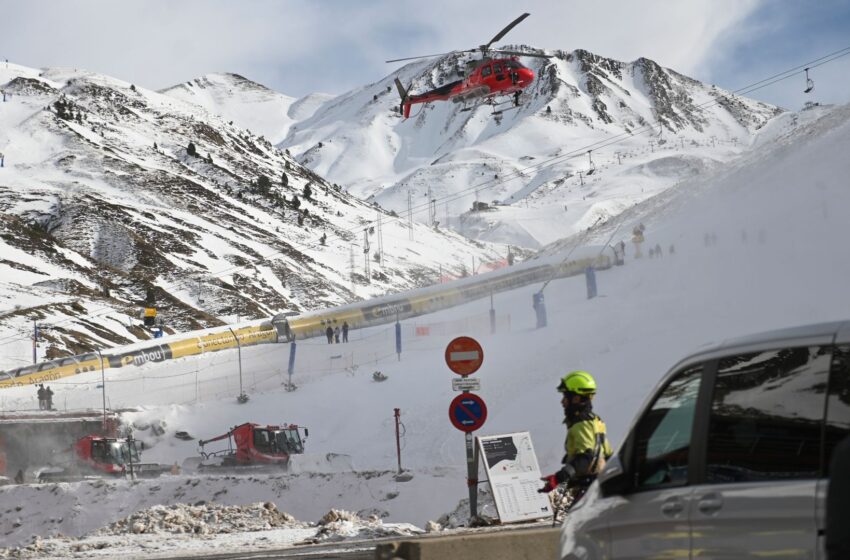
(100, 456)
(253, 445)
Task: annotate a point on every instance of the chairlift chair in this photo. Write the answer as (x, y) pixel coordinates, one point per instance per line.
(810, 84)
(592, 167)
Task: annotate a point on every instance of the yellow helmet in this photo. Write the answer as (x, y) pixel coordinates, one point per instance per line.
(578, 382)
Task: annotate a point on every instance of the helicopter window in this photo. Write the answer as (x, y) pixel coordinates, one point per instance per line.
(486, 71)
(497, 68)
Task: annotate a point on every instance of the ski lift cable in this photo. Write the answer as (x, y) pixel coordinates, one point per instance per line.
(545, 164)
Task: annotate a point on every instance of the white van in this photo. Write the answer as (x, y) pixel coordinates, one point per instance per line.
(729, 456)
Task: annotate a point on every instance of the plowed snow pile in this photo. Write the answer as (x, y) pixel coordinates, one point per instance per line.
(192, 528)
(203, 519)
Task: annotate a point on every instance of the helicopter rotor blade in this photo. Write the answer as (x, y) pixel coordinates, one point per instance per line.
(518, 53)
(504, 31)
(421, 56)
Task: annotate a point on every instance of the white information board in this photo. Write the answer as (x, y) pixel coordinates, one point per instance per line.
(514, 477)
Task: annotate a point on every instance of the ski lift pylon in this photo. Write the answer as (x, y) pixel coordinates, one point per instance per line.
(810, 84)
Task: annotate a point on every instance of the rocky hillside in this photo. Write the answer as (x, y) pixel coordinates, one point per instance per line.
(112, 195)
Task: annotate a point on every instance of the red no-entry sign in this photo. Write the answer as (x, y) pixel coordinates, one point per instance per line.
(464, 355)
(468, 412)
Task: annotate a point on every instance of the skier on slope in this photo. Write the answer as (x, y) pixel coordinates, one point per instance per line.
(586, 444)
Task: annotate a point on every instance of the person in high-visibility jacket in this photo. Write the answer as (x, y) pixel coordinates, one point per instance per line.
(587, 445)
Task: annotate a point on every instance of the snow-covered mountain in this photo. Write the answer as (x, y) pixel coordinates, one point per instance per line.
(111, 192)
(640, 128)
(248, 104)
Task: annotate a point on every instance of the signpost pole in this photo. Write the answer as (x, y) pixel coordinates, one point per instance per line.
(467, 411)
(471, 476)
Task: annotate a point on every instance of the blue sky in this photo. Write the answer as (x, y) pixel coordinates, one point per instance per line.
(779, 35)
(302, 46)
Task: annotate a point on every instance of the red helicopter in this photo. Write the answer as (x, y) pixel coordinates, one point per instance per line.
(486, 78)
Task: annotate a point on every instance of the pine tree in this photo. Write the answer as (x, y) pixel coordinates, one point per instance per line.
(284, 180)
(191, 150)
(308, 192)
(295, 203)
(263, 184)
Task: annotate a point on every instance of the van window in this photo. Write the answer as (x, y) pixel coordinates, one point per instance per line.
(838, 403)
(663, 436)
(766, 415)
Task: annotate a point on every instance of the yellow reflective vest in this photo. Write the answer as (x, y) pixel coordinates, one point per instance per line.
(588, 436)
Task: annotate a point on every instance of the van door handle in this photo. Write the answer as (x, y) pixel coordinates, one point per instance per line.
(672, 507)
(710, 503)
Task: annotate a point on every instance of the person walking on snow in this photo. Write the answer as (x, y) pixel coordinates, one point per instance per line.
(345, 331)
(48, 398)
(41, 397)
(336, 334)
(329, 332)
(586, 445)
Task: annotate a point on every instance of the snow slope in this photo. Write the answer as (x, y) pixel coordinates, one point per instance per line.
(780, 260)
(249, 104)
(641, 128)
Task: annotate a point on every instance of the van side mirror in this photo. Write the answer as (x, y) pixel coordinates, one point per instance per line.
(306, 433)
(614, 480)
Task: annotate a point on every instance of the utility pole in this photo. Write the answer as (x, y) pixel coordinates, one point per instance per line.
(652, 146)
(397, 412)
(581, 179)
(200, 292)
(619, 162)
(34, 342)
(380, 241)
(367, 269)
(242, 398)
(102, 388)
